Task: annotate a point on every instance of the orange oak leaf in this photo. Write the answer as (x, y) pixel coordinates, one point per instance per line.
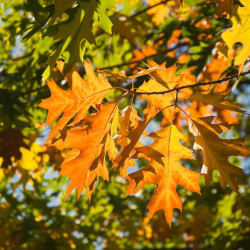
(213, 71)
(224, 115)
(159, 101)
(128, 121)
(93, 137)
(197, 109)
(130, 139)
(165, 76)
(160, 12)
(174, 37)
(217, 150)
(86, 161)
(165, 171)
(162, 79)
(77, 100)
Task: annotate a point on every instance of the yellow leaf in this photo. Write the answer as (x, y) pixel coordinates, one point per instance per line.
(1, 174)
(160, 12)
(240, 32)
(30, 159)
(38, 218)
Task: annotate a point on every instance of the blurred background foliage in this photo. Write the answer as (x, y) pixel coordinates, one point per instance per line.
(33, 212)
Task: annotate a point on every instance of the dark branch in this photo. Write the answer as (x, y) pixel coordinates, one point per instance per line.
(167, 91)
(190, 86)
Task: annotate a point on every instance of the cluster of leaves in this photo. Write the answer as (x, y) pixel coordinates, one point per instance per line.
(192, 35)
(94, 135)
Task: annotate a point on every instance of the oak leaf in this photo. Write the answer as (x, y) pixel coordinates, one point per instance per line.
(93, 137)
(217, 150)
(146, 51)
(129, 139)
(128, 121)
(157, 102)
(165, 171)
(60, 7)
(86, 160)
(240, 32)
(217, 100)
(77, 31)
(77, 100)
(160, 11)
(165, 76)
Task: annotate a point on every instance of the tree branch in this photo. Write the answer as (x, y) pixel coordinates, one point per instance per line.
(148, 8)
(163, 92)
(190, 86)
(135, 62)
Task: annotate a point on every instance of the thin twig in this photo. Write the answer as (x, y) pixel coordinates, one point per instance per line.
(148, 8)
(190, 86)
(162, 92)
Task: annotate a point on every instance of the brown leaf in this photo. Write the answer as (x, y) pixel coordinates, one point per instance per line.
(224, 7)
(217, 100)
(10, 142)
(217, 150)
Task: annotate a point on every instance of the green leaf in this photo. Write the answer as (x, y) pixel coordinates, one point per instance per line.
(102, 19)
(73, 35)
(60, 7)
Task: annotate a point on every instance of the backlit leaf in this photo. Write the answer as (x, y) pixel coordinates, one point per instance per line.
(240, 32)
(217, 150)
